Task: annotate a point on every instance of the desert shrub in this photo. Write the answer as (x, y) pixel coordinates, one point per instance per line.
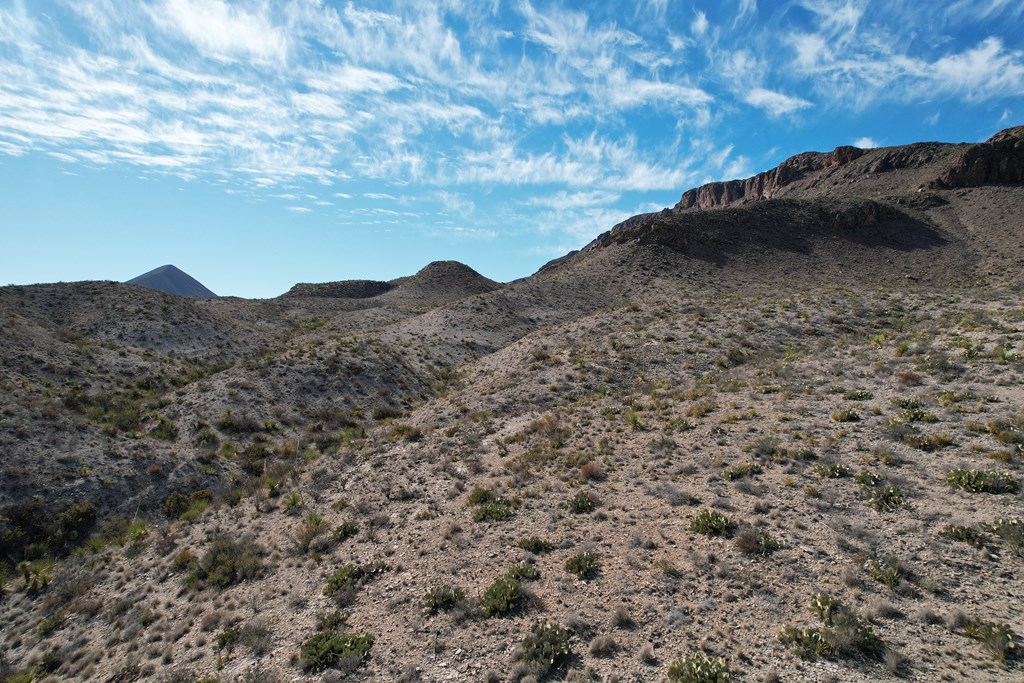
(311, 527)
(843, 633)
(480, 495)
(344, 531)
(963, 534)
(494, 511)
(878, 494)
(832, 470)
(351, 576)
(711, 523)
(583, 565)
(593, 471)
(756, 542)
(165, 430)
(889, 572)
(846, 415)
(332, 649)
(929, 443)
(1011, 530)
(225, 563)
(501, 597)
(581, 503)
(999, 640)
(535, 545)
(489, 507)
(387, 413)
(698, 668)
(858, 395)
(442, 598)
(982, 481)
(547, 645)
(403, 432)
(745, 469)
(177, 504)
(523, 571)
(237, 424)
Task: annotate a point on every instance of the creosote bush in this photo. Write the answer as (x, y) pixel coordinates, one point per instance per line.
(535, 545)
(225, 563)
(501, 597)
(697, 667)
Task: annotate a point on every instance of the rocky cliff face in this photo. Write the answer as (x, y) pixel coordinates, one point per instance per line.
(765, 185)
(997, 161)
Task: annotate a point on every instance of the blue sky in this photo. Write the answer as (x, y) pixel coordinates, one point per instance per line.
(259, 143)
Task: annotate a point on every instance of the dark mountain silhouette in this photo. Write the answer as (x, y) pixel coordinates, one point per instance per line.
(173, 281)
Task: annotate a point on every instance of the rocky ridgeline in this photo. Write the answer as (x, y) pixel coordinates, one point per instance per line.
(997, 161)
(766, 185)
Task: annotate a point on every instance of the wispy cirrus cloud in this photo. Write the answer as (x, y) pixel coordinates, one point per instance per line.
(596, 110)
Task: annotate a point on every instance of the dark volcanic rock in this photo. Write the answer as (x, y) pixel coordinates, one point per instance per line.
(344, 289)
(997, 161)
(172, 281)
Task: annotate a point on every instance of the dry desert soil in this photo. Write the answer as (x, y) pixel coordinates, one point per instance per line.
(773, 433)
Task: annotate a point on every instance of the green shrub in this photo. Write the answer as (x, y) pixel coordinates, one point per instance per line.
(929, 443)
(982, 481)
(964, 534)
(442, 598)
(226, 563)
(495, 511)
(843, 633)
(330, 649)
(535, 545)
(523, 571)
(480, 495)
(999, 640)
(889, 572)
(387, 413)
(877, 494)
(581, 503)
(501, 597)
(699, 668)
(177, 504)
(746, 469)
(345, 531)
(547, 645)
(165, 430)
(712, 523)
(583, 565)
(832, 470)
(351, 576)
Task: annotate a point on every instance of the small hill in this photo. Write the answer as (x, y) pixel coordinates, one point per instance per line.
(173, 281)
(436, 284)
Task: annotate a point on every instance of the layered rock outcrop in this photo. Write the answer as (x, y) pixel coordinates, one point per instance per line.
(766, 185)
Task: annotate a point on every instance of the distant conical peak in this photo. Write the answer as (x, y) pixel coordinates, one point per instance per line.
(172, 280)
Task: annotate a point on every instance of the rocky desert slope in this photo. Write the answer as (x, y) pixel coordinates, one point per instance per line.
(771, 433)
